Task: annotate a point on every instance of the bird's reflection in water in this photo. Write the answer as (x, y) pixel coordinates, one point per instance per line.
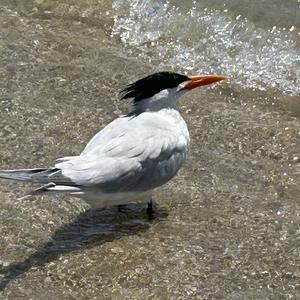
(91, 228)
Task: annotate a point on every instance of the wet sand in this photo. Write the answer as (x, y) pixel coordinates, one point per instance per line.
(227, 227)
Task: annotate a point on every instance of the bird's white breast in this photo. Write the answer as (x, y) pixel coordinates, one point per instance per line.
(179, 124)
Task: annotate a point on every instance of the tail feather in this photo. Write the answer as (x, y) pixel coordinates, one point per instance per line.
(21, 174)
(38, 191)
(56, 183)
(38, 175)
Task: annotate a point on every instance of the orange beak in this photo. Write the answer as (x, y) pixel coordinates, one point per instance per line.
(200, 80)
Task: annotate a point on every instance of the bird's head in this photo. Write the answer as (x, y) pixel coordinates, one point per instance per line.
(161, 90)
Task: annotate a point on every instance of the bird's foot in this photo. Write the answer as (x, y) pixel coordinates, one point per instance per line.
(122, 208)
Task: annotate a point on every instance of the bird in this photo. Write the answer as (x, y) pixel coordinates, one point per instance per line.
(131, 156)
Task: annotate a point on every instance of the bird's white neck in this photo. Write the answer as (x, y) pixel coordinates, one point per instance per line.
(165, 99)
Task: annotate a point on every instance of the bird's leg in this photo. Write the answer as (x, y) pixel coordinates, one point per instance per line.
(150, 209)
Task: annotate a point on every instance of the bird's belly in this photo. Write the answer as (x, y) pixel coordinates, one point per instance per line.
(156, 174)
(98, 199)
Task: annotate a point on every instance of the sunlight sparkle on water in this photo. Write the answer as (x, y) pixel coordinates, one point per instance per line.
(211, 41)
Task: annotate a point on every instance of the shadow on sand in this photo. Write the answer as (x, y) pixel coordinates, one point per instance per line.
(91, 228)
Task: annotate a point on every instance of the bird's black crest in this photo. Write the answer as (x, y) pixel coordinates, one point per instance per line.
(152, 84)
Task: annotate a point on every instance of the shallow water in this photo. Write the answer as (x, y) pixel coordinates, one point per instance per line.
(227, 227)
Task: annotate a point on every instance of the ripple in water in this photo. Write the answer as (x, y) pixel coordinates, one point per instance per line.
(210, 40)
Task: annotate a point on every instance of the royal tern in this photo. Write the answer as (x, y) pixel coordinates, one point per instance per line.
(131, 156)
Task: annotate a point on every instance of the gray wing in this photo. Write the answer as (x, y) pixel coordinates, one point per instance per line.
(129, 154)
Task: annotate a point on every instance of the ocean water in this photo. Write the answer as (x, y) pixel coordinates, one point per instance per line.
(227, 227)
(246, 43)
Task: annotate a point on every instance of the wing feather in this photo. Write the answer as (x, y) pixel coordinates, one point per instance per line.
(129, 154)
